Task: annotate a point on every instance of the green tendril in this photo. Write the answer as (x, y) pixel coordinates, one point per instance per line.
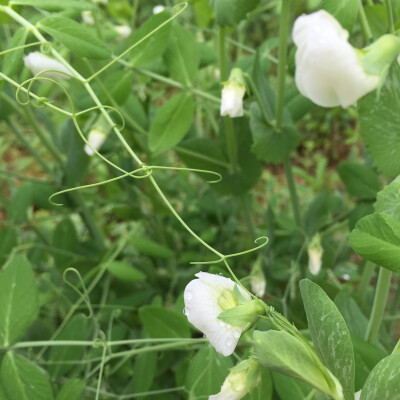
(119, 127)
(83, 295)
(2, 53)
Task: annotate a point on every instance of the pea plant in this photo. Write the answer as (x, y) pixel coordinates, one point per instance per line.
(200, 199)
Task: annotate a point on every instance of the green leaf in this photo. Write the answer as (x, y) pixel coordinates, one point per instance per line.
(359, 180)
(154, 46)
(376, 238)
(264, 390)
(125, 272)
(171, 123)
(281, 352)
(383, 382)
(377, 19)
(289, 388)
(330, 335)
(24, 380)
(76, 329)
(269, 145)
(71, 390)
(18, 299)
(118, 85)
(345, 11)
(159, 322)
(150, 248)
(356, 321)
(144, 371)
(229, 12)
(207, 371)
(20, 202)
(13, 61)
(65, 240)
(8, 240)
(388, 200)
(182, 56)
(210, 155)
(55, 5)
(380, 124)
(76, 37)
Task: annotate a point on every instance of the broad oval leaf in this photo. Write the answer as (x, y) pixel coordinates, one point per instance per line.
(171, 123)
(18, 299)
(150, 248)
(207, 371)
(125, 272)
(360, 181)
(159, 322)
(182, 56)
(13, 61)
(376, 238)
(380, 124)
(24, 380)
(345, 11)
(383, 382)
(71, 390)
(388, 200)
(76, 37)
(281, 352)
(330, 335)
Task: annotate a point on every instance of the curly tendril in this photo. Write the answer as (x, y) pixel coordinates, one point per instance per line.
(225, 257)
(83, 295)
(148, 170)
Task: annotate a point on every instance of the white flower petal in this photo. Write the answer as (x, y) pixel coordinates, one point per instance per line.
(328, 69)
(38, 62)
(202, 310)
(124, 31)
(357, 396)
(233, 388)
(96, 138)
(232, 100)
(158, 9)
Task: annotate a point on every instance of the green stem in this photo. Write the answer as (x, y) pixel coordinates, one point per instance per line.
(292, 191)
(368, 272)
(378, 309)
(282, 58)
(389, 13)
(247, 215)
(230, 133)
(364, 22)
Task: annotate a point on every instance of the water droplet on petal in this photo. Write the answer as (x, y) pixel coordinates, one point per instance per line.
(222, 324)
(228, 342)
(236, 334)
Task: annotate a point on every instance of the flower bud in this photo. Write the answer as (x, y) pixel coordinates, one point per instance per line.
(232, 95)
(205, 299)
(315, 252)
(158, 9)
(96, 138)
(257, 279)
(243, 377)
(38, 62)
(124, 31)
(87, 17)
(329, 71)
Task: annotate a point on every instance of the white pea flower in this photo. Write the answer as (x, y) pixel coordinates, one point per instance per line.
(315, 252)
(96, 139)
(257, 279)
(124, 31)
(158, 9)
(237, 384)
(87, 17)
(232, 95)
(38, 62)
(329, 71)
(357, 396)
(205, 299)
